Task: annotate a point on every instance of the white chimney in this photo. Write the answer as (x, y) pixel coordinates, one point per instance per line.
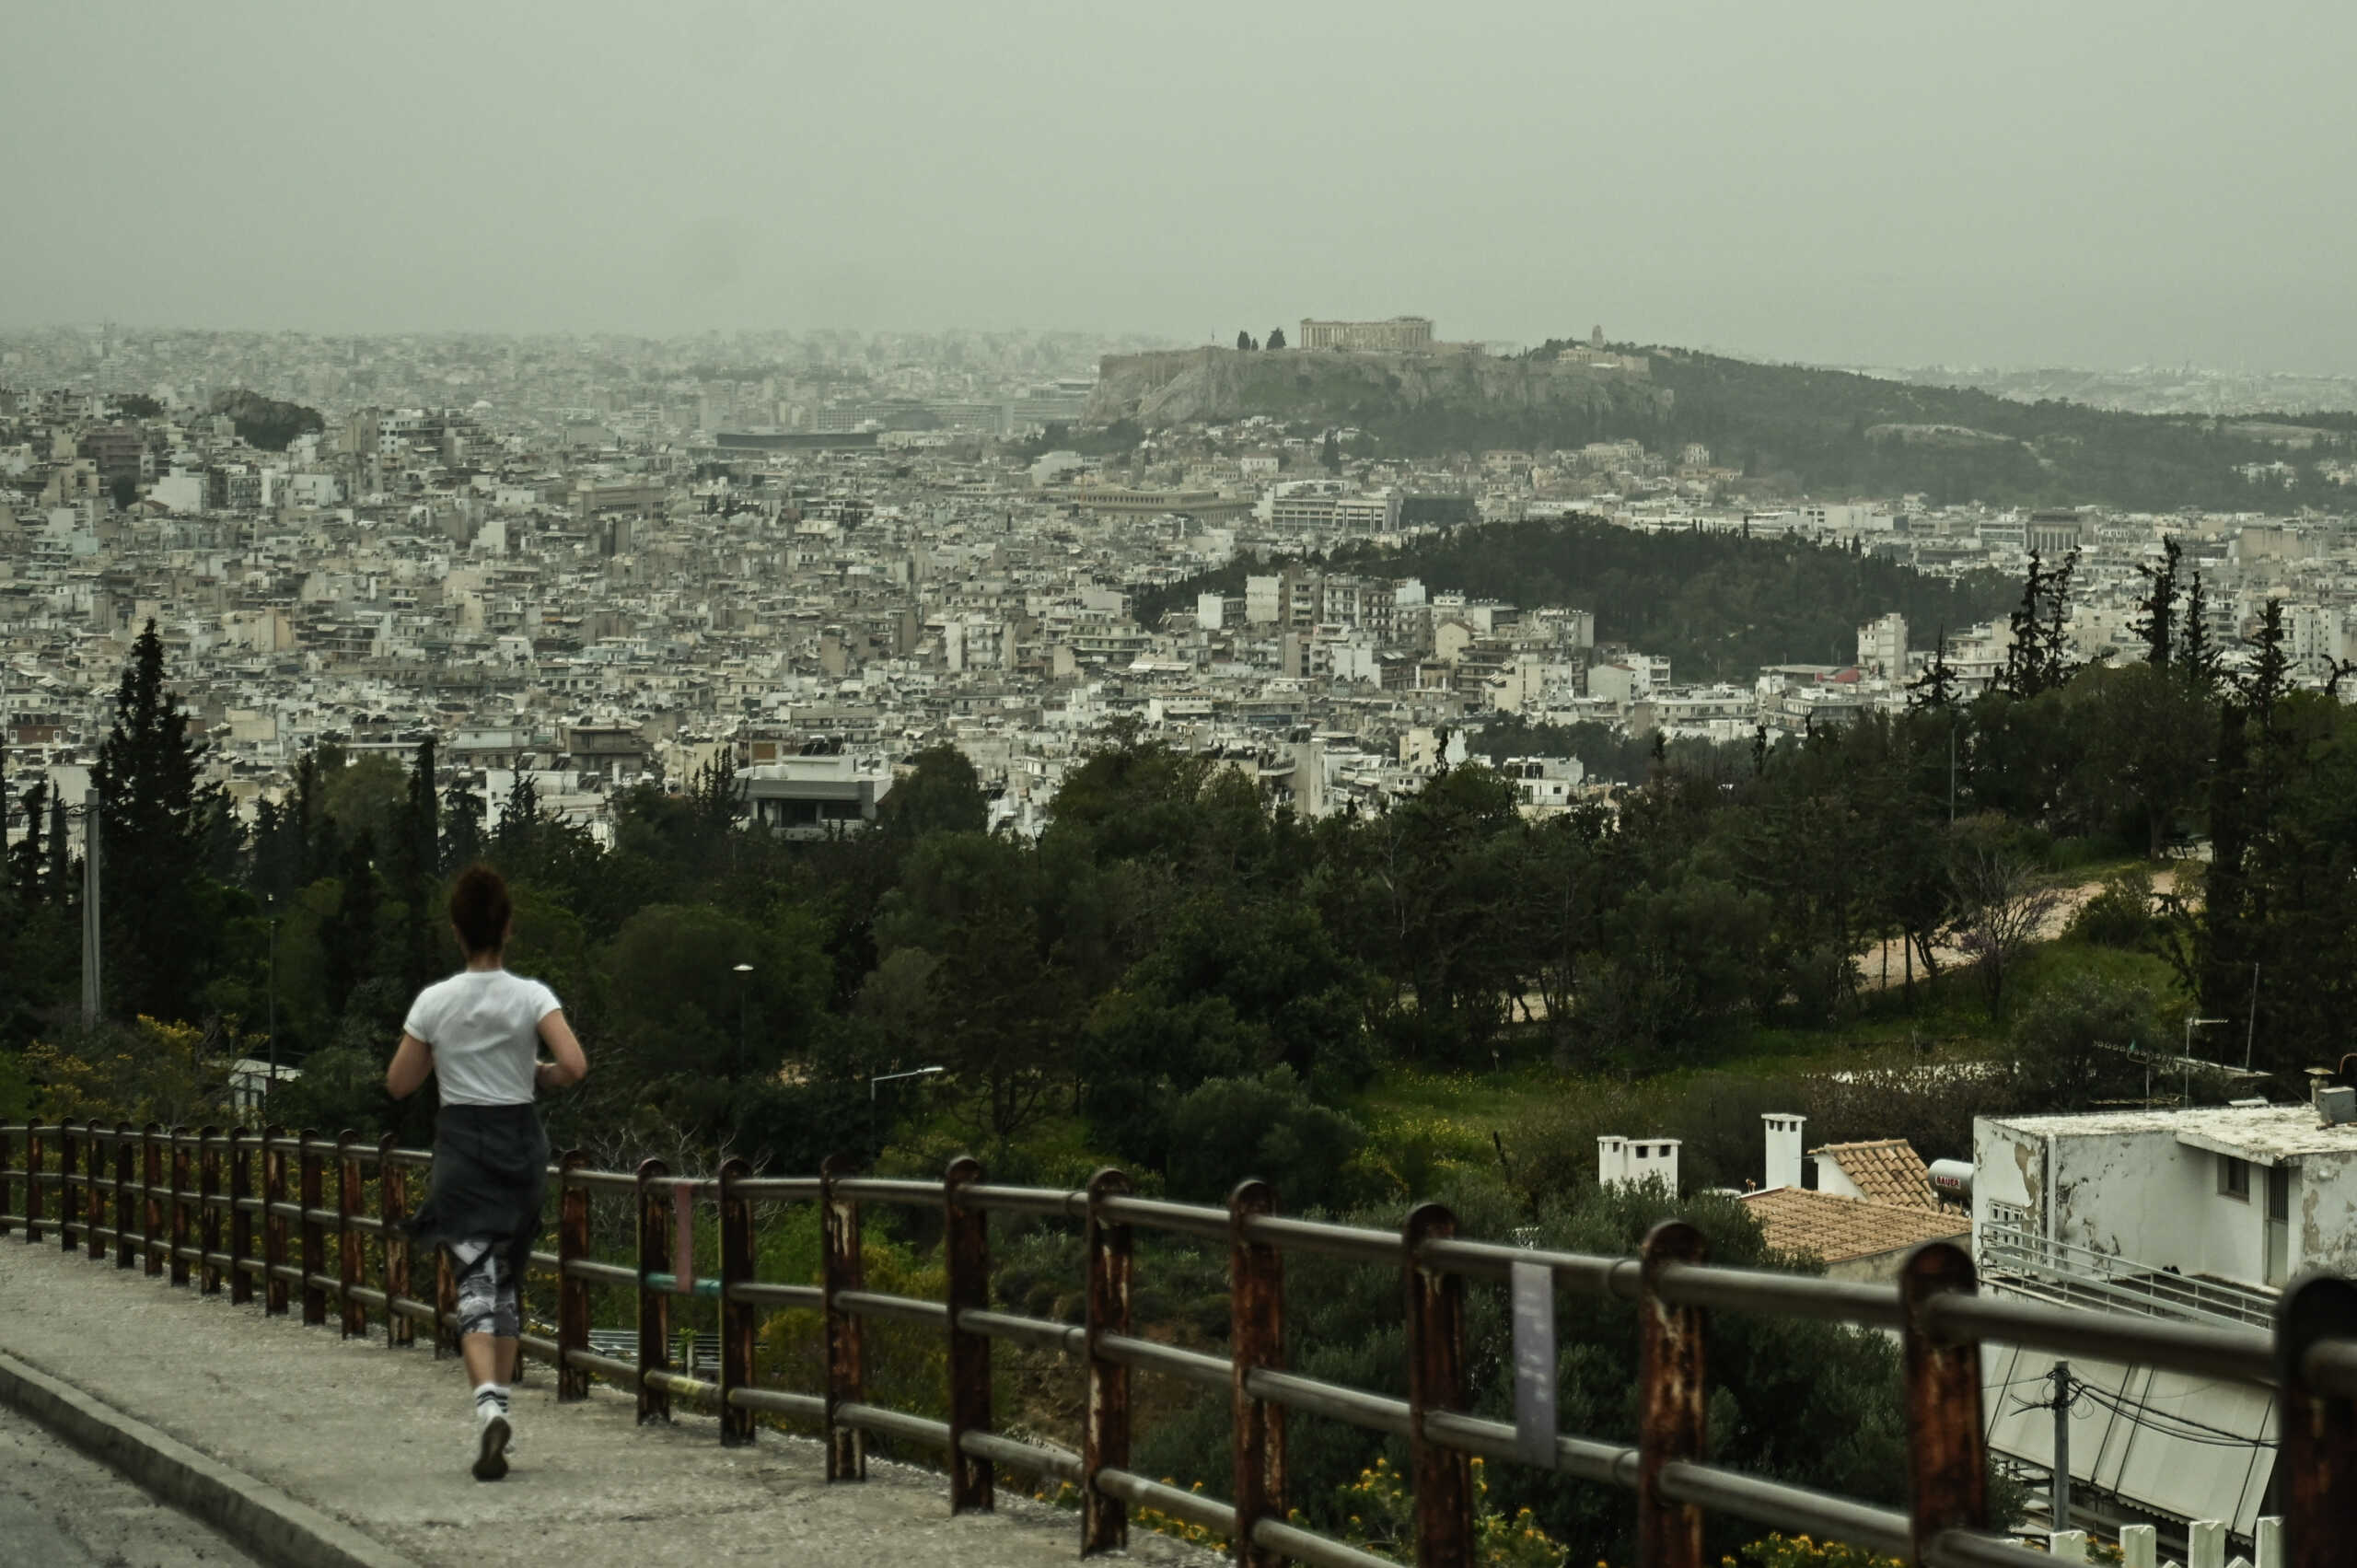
(1654, 1159)
(1611, 1161)
(1784, 1140)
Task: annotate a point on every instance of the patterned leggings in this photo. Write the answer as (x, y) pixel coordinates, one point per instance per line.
(487, 1302)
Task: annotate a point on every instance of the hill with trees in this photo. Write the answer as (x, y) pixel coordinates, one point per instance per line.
(1787, 429)
(264, 421)
(1717, 605)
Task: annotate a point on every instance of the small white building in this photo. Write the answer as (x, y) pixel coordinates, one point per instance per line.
(2198, 1215)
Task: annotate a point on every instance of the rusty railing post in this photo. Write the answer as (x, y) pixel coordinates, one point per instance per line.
(654, 1306)
(966, 1248)
(738, 1319)
(208, 1210)
(312, 1175)
(95, 1183)
(841, 1269)
(1945, 1451)
(350, 1257)
(33, 1153)
(125, 1154)
(1444, 1476)
(1105, 1423)
(151, 1206)
(2318, 1430)
(94, 1172)
(176, 1241)
(241, 1224)
(1671, 1399)
(571, 1293)
(1256, 1292)
(273, 1223)
(69, 1202)
(392, 1212)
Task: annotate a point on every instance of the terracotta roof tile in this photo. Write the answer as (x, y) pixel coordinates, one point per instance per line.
(1887, 1171)
(1837, 1229)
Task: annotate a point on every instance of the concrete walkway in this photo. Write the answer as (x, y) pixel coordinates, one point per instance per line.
(380, 1439)
(61, 1509)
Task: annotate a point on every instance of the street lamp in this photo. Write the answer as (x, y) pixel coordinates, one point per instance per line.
(744, 1014)
(887, 1077)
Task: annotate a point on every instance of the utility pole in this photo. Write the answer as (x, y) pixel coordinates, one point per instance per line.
(91, 835)
(2059, 1499)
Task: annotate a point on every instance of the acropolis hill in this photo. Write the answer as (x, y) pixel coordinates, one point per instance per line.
(1178, 386)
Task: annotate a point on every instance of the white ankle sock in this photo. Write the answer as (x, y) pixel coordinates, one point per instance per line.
(490, 1398)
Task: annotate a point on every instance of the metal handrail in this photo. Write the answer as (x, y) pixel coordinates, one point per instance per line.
(2132, 1286)
(280, 1232)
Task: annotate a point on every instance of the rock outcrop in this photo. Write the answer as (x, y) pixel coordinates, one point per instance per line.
(1178, 387)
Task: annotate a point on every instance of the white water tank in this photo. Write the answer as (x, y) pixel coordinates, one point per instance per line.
(1952, 1181)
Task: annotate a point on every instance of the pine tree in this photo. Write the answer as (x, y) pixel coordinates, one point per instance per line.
(152, 838)
(1243, 342)
(1276, 337)
(27, 854)
(1332, 454)
(2157, 625)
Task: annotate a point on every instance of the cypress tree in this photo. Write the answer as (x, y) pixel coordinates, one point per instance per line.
(2157, 623)
(461, 826)
(418, 857)
(348, 937)
(2195, 655)
(27, 856)
(60, 878)
(152, 833)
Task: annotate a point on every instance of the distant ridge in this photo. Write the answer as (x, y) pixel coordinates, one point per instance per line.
(1784, 429)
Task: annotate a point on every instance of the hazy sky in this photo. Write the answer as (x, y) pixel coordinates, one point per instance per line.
(2088, 182)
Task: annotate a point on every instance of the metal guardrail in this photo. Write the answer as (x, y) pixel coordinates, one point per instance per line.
(2074, 1275)
(2310, 1357)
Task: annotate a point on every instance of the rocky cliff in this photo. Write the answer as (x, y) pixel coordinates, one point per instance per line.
(1177, 387)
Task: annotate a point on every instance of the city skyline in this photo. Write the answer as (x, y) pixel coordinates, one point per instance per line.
(1834, 186)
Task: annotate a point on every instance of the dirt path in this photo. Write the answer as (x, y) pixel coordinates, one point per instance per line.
(1872, 975)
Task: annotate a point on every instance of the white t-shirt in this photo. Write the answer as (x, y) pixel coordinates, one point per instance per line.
(484, 1028)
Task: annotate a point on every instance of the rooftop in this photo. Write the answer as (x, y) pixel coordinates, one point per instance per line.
(2263, 1134)
(1838, 1229)
(1887, 1170)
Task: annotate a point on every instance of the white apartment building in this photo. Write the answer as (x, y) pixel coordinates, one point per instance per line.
(1882, 646)
(2200, 1215)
